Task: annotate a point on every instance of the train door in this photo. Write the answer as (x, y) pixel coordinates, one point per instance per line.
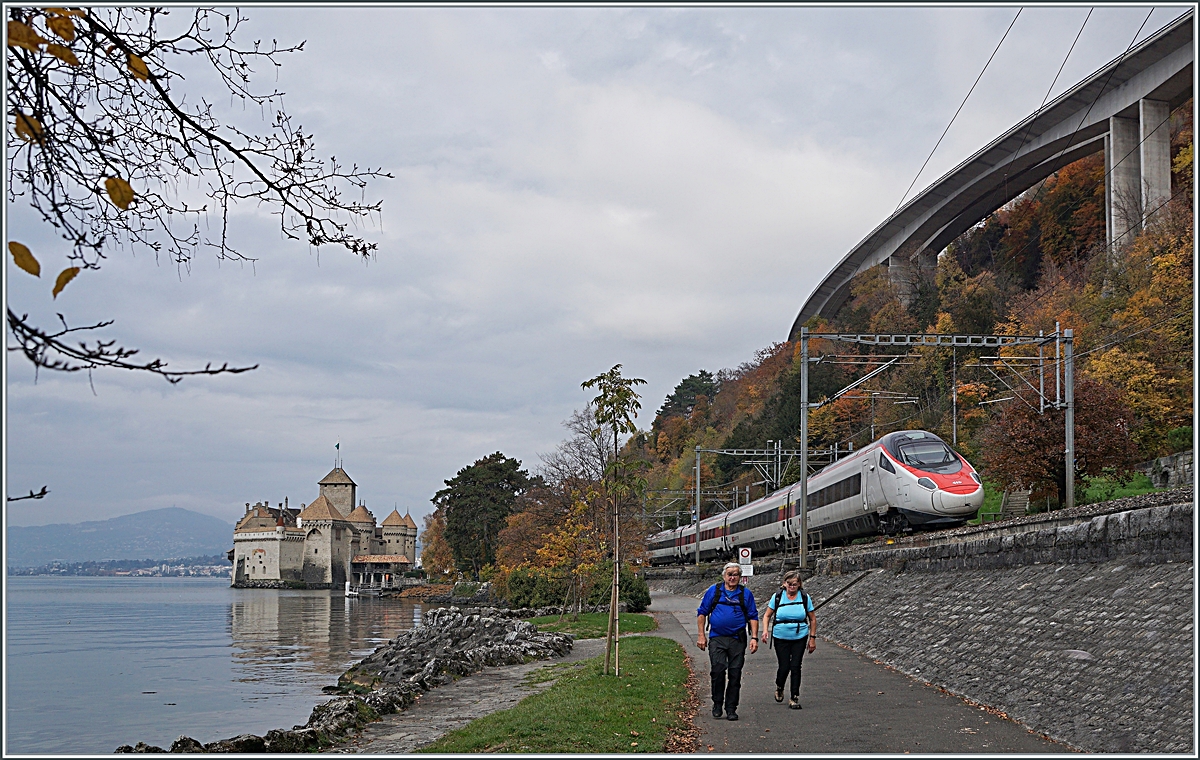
(873, 487)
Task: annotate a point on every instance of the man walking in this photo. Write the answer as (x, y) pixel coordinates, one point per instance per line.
(727, 608)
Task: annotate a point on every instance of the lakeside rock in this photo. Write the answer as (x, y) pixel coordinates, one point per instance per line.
(449, 643)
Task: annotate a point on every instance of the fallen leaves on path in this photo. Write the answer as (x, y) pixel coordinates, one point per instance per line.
(684, 738)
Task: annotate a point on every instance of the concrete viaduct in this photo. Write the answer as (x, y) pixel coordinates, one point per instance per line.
(1122, 109)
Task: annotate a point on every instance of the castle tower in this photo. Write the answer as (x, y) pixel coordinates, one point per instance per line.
(328, 539)
(339, 490)
(410, 546)
(364, 524)
(396, 535)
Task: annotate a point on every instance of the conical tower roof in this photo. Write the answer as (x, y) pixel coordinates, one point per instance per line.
(361, 515)
(409, 521)
(394, 519)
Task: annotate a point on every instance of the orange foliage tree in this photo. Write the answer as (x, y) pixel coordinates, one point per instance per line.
(436, 557)
(1025, 448)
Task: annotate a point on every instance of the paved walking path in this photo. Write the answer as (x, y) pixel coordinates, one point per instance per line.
(851, 704)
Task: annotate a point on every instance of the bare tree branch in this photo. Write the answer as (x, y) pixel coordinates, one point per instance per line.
(48, 351)
(94, 109)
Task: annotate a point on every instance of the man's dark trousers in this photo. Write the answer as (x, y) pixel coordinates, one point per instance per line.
(726, 654)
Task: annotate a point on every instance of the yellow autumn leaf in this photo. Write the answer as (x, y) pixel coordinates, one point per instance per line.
(119, 191)
(65, 12)
(138, 67)
(62, 26)
(24, 259)
(29, 128)
(64, 277)
(62, 53)
(20, 35)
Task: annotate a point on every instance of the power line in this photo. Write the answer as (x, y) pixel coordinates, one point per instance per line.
(960, 108)
(1049, 90)
(1104, 86)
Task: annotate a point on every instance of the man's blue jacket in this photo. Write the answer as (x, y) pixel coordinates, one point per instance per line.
(725, 617)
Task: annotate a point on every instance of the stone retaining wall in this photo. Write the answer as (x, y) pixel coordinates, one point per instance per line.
(1096, 655)
(1143, 537)
(1172, 471)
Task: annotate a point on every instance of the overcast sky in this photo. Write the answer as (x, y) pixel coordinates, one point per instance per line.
(574, 188)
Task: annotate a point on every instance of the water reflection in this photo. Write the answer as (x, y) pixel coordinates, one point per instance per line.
(280, 637)
(121, 660)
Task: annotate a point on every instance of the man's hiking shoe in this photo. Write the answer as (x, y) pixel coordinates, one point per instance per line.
(779, 694)
(731, 715)
(794, 703)
(717, 711)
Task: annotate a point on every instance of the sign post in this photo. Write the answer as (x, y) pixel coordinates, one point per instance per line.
(744, 561)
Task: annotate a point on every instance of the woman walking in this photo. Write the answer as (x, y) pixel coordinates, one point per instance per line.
(791, 622)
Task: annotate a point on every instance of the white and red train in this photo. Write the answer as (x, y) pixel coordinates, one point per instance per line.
(905, 480)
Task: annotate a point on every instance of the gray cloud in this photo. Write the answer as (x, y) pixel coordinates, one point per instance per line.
(574, 188)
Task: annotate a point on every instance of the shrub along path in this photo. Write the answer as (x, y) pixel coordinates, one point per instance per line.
(851, 704)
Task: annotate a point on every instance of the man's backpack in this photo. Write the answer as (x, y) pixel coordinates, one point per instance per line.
(719, 598)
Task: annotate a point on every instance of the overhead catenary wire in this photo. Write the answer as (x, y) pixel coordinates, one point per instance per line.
(1103, 87)
(1126, 233)
(939, 399)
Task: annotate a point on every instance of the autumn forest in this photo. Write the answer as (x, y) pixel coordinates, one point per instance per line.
(544, 533)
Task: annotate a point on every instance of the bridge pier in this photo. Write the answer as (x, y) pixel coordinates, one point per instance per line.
(1122, 109)
(907, 270)
(1137, 166)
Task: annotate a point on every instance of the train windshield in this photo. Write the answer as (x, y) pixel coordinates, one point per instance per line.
(933, 456)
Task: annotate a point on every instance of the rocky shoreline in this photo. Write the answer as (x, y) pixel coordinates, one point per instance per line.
(450, 643)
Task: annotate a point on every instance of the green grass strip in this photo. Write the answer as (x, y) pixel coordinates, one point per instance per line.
(587, 712)
(594, 625)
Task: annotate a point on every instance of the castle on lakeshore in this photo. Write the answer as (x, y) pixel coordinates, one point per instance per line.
(322, 545)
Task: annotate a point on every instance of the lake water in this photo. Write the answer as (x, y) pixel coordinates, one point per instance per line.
(93, 663)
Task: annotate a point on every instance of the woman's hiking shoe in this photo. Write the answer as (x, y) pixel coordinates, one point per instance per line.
(779, 694)
(794, 703)
(717, 711)
(731, 715)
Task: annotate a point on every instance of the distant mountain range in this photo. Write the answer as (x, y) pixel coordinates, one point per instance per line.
(167, 533)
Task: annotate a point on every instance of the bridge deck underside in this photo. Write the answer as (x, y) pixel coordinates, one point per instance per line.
(1070, 128)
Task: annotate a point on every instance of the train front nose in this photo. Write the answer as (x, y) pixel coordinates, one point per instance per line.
(951, 503)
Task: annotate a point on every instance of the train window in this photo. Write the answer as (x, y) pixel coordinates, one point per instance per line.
(843, 489)
(886, 463)
(932, 456)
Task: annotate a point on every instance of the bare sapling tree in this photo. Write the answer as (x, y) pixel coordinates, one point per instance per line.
(615, 407)
(107, 149)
